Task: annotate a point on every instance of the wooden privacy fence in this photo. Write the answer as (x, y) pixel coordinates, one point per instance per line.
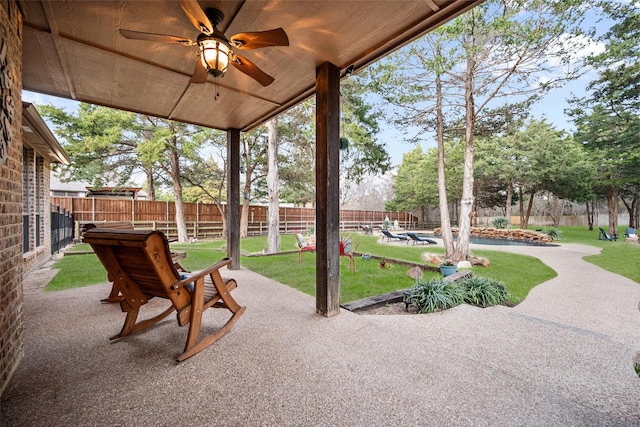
(204, 219)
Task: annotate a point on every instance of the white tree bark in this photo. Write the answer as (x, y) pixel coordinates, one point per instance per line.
(177, 192)
(273, 187)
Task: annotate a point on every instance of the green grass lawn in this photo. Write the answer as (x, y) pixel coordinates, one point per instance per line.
(77, 271)
(520, 273)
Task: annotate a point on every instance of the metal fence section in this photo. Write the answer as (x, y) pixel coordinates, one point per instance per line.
(62, 226)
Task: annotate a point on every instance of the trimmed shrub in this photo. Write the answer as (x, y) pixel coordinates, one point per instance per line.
(483, 291)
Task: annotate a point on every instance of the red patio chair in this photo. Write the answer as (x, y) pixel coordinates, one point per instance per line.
(303, 246)
(346, 249)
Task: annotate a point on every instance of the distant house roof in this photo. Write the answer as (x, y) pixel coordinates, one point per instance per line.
(72, 188)
(84, 189)
(37, 136)
(115, 192)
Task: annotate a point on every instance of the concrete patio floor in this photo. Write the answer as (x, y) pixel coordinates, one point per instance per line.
(564, 356)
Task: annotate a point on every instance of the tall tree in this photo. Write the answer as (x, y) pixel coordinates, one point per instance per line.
(170, 145)
(361, 154)
(101, 143)
(494, 54)
(535, 159)
(296, 133)
(206, 174)
(253, 171)
(109, 146)
(608, 120)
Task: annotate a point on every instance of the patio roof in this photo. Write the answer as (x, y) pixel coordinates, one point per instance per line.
(73, 49)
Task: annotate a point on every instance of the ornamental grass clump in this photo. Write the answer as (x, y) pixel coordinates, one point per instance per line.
(554, 233)
(439, 294)
(484, 291)
(436, 295)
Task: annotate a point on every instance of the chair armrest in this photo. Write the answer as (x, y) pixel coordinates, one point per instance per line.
(201, 274)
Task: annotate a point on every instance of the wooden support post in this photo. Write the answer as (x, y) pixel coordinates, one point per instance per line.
(327, 190)
(233, 198)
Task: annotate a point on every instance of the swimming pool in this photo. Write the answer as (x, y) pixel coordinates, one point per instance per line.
(505, 242)
(494, 242)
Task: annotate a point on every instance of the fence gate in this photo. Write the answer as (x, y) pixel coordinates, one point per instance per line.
(61, 228)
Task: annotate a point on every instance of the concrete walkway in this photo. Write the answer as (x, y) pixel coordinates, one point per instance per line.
(565, 356)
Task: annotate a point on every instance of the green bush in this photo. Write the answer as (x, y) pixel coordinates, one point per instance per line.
(484, 291)
(554, 233)
(500, 222)
(436, 294)
(439, 294)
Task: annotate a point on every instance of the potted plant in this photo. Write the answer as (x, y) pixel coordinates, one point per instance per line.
(448, 267)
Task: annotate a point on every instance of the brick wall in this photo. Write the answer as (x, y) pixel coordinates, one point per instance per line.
(11, 326)
(36, 207)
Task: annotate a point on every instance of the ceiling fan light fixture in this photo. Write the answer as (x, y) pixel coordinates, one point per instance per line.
(215, 54)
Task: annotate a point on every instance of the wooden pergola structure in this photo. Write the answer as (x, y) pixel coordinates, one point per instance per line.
(74, 49)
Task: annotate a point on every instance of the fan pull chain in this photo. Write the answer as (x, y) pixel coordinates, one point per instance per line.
(215, 87)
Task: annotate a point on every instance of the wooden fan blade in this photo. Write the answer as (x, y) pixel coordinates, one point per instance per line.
(152, 37)
(260, 39)
(199, 73)
(197, 16)
(252, 70)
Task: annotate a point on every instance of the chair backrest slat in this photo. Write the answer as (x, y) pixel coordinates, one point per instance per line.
(140, 262)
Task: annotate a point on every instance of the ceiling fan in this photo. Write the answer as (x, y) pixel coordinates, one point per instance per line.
(216, 51)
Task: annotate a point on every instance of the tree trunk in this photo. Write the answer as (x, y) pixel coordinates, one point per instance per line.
(557, 224)
(637, 214)
(466, 202)
(223, 216)
(273, 187)
(527, 215)
(507, 211)
(445, 220)
(631, 209)
(556, 209)
(246, 200)
(590, 215)
(613, 195)
(244, 217)
(521, 204)
(151, 186)
(177, 193)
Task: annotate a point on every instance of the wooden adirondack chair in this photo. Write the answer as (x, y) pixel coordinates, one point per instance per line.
(140, 263)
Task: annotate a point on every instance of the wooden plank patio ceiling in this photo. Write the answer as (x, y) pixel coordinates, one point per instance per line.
(73, 49)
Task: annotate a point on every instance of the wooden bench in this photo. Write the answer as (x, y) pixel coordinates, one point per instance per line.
(141, 265)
